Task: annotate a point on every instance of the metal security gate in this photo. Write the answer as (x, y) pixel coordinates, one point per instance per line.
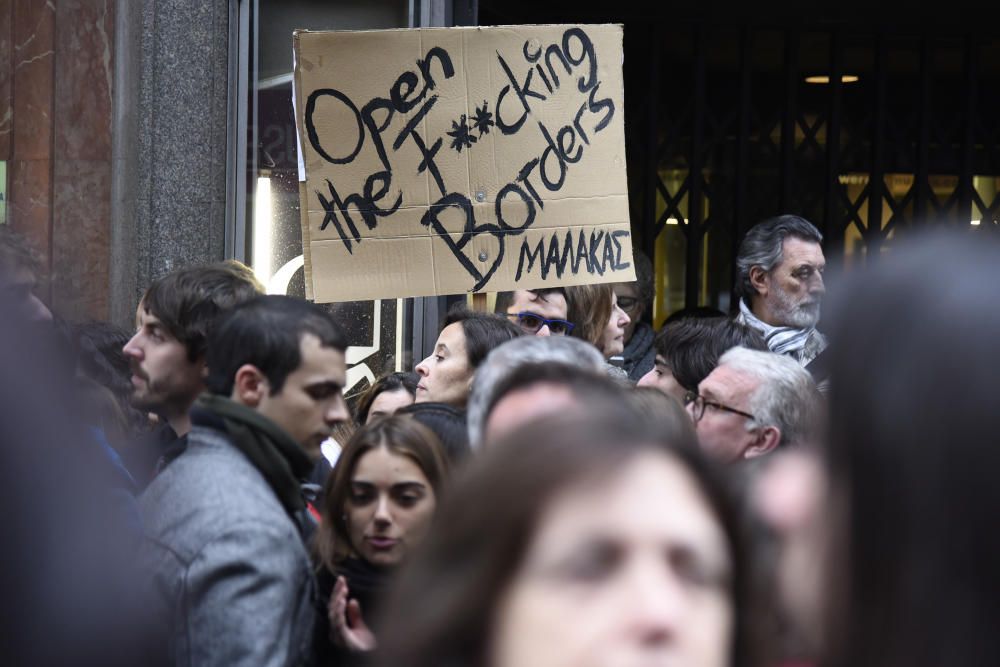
(867, 133)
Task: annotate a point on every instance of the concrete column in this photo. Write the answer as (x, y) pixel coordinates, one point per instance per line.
(171, 110)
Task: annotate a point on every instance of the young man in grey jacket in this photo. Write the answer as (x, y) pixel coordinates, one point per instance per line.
(225, 523)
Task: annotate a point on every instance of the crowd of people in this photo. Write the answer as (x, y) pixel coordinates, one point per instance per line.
(556, 484)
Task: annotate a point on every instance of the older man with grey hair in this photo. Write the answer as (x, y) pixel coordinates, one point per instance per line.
(752, 403)
(511, 356)
(780, 284)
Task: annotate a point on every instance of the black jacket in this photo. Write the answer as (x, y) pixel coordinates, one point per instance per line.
(367, 584)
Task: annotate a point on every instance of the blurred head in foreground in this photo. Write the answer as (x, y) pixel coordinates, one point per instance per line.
(555, 549)
(905, 534)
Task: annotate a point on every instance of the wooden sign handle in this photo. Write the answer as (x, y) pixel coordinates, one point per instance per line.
(479, 302)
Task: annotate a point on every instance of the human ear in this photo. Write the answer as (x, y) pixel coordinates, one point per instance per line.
(760, 280)
(767, 440)
(249, 386)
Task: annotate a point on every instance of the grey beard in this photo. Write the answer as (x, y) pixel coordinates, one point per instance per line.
(802, 317)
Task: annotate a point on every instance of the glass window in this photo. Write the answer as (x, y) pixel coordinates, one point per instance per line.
(377, 330)
(671, 249)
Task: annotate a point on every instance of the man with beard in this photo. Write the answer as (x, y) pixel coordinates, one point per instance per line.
(780, 284)
(167, 352)
(227, 525)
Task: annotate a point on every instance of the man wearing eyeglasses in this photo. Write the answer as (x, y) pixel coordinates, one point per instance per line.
(540, 312)
(752, 403)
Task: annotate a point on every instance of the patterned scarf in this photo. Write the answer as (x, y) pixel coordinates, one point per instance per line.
(803, 345)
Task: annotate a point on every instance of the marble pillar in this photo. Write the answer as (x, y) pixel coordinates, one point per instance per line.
(30, 168)
(55, 131)
(171, 124)
(6, 74)
(81, 213)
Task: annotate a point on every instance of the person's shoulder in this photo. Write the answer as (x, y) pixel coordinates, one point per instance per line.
(195, 477)
(207, 491)
(210, 456)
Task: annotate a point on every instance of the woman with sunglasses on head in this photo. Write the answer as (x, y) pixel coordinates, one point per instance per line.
(378, 506)
(465, 340)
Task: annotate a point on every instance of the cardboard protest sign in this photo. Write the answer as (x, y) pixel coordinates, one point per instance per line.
(449, 160)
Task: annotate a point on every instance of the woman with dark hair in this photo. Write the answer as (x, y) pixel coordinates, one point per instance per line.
(448, 424)
(388, 394)
(598, 318)
(558, 548)
(907, 529)
(377, 507)
(465, 340)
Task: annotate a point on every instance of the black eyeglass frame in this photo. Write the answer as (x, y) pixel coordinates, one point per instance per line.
(700, 402)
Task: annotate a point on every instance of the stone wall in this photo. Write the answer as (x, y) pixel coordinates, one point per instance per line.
(55, 133)
(171, 118)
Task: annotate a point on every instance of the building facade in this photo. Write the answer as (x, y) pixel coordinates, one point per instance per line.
(137, 136)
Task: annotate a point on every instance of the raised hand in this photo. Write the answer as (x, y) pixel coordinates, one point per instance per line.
(347, 627)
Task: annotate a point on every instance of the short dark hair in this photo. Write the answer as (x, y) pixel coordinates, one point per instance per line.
(692, 346)
(582, 382)
(188, 301)
(693, 312)
(390, 382)
(448, 424)
(266, 332)
(482, 332)
(465, 569)
(506, 299)
(762, 247)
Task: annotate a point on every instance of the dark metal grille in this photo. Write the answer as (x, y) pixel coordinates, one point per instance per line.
(731, 133)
